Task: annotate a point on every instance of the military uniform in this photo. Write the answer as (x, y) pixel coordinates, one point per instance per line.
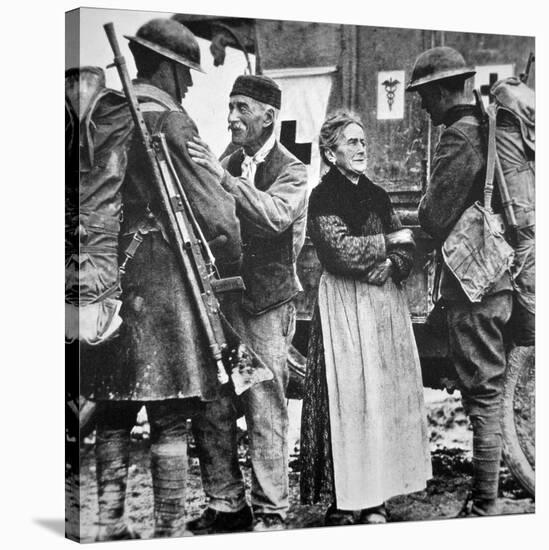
(161, 357)
(476, 330)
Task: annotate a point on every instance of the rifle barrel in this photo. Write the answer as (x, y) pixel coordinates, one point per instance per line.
(524, 76)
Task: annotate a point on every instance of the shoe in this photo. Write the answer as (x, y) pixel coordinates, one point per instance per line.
(213, 521)
(479, 507)
(374, 515)
(171, 535)
(122, 533)
(486, 507)
(268, 522)
(334, 516)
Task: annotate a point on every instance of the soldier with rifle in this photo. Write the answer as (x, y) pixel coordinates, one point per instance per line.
(168, 355)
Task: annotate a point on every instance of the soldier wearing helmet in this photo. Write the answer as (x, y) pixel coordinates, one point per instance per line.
(161, 358)
(164, 52)
(439, 76)
(475, 329)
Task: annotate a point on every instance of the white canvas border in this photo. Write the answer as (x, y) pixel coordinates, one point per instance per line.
(32, 404)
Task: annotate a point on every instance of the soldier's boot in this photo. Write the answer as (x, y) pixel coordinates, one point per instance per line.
(487, 447)
(169, 475)
(112, 458)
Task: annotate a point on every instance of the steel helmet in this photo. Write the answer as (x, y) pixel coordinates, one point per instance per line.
(170, 39)
(437, 64)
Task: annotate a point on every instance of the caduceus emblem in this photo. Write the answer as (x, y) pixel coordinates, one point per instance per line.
(390, 86)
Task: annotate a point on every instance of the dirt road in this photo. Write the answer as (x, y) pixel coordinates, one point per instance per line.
(450, 437)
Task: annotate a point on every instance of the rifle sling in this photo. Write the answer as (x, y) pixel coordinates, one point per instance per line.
(490, 162)
(493, 168)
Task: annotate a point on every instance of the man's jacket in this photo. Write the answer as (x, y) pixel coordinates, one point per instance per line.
(457, 181)
(162, 352)
(272, 215)
(213, 207)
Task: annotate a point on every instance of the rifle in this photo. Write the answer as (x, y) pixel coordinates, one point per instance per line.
(494, 165)
(524, 76)
(196, 261)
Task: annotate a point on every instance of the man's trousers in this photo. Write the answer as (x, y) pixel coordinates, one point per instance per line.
(269, 335)
(476, 338)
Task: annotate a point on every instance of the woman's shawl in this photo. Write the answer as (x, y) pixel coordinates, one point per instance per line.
(354, 227)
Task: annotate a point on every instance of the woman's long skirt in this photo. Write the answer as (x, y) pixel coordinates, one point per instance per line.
(377, 421)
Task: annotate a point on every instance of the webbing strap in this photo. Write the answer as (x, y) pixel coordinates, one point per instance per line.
(131, 249)
(491, 162)
(506, 200)
(129, 253)
(151, 107)
(111, 291)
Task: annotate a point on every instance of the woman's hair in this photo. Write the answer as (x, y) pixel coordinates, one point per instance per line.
(332, 128)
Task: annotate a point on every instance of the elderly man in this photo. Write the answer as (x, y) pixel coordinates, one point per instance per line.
(476, 330)
(269, 186)
(161, 358)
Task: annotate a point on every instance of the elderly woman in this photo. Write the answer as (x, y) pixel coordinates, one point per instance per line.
(364, 434)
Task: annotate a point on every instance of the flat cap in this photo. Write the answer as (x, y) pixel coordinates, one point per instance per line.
(258, 87)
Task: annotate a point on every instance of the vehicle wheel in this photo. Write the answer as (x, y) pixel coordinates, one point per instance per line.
(519, 416)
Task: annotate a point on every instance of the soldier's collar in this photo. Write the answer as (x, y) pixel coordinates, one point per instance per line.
(456, 112)
(146, 91)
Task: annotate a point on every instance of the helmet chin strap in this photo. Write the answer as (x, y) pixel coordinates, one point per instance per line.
(178, 91)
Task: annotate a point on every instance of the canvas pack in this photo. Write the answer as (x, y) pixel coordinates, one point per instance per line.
(261, 331)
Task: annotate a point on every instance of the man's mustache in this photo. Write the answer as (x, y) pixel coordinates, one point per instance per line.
(233, 127)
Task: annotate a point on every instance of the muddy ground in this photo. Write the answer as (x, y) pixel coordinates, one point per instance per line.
(450, 438)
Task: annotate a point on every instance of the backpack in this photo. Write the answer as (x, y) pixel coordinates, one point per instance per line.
(93, 212)
(94, 207)
(513, 109)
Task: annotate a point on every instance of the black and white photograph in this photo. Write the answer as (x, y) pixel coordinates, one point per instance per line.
(307, 298)
(300, 276)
